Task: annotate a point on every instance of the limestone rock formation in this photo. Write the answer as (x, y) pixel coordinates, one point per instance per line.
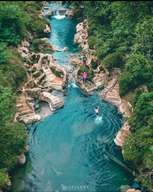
(122, 134)
(25, 112)
(47, 29)
(81, 36)
(44, 76)
(133, 190)
(111, 94)
(76, 61)
(54, 102)
(22, 159)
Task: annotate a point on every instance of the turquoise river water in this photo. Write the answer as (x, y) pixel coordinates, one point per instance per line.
(69, 149)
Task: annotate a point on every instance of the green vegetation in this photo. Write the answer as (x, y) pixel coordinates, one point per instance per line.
(114, 60)
(39, 45)
(122, 34)
(88, 70)
(18, 21)
(4, 178)
(57, 73)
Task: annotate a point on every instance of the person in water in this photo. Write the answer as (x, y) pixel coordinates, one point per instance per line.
(97, 110)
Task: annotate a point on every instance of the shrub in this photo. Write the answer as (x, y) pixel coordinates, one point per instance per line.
(114, 60)
(42, 46)
(138, 71)
(4, 178)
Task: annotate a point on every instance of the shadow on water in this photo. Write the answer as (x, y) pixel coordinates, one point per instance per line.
(68, 149)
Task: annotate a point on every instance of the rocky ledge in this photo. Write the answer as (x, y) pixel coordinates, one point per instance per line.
(89, 86)
(111, 94)
(122, 134)
(99, 78)
(44, 76)
(81, 36)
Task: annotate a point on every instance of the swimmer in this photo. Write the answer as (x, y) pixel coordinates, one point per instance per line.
(97, 110)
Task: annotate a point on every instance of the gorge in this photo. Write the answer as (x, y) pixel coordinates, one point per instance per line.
(69, 150)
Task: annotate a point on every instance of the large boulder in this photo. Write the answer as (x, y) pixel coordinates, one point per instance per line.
(47, 30)
(29, 118)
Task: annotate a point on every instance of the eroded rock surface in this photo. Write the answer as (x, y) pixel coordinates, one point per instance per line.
(44, 76)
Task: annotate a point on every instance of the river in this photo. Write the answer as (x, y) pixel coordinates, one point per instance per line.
(68, 150)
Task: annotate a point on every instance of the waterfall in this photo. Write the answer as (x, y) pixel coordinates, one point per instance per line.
(58, 11)
(58, 15)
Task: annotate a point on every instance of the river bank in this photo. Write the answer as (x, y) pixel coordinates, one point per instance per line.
(107, 83)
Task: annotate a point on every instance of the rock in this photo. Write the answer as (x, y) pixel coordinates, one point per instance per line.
(34, 92)
(44, 75)
(25, 43)
(81, 36)
(125, 108)
(30, 118)
(54, 48)
(70, 12)
(24, 51)
(122, 134)
(27, 148)
(47, 30)
(54, 102)
(99, 80)
(76, 61)
(22, 159)
(124, 188)
(9, 184)
(111, 92)
(133, 190)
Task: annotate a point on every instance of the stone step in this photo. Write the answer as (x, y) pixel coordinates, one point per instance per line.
(25, 112)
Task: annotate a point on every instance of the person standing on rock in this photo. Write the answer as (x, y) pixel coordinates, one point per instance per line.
(84, 76)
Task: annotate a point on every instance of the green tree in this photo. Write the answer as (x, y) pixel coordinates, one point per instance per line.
(144, 37)
(12, 23)
(137, 72)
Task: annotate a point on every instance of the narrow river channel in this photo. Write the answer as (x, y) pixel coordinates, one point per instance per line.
(68, 150)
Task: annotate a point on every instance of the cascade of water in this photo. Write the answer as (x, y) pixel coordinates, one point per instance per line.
(58, 10)
(58, 15)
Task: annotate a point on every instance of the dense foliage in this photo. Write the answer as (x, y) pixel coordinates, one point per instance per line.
(122, 35)
(18, 21)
